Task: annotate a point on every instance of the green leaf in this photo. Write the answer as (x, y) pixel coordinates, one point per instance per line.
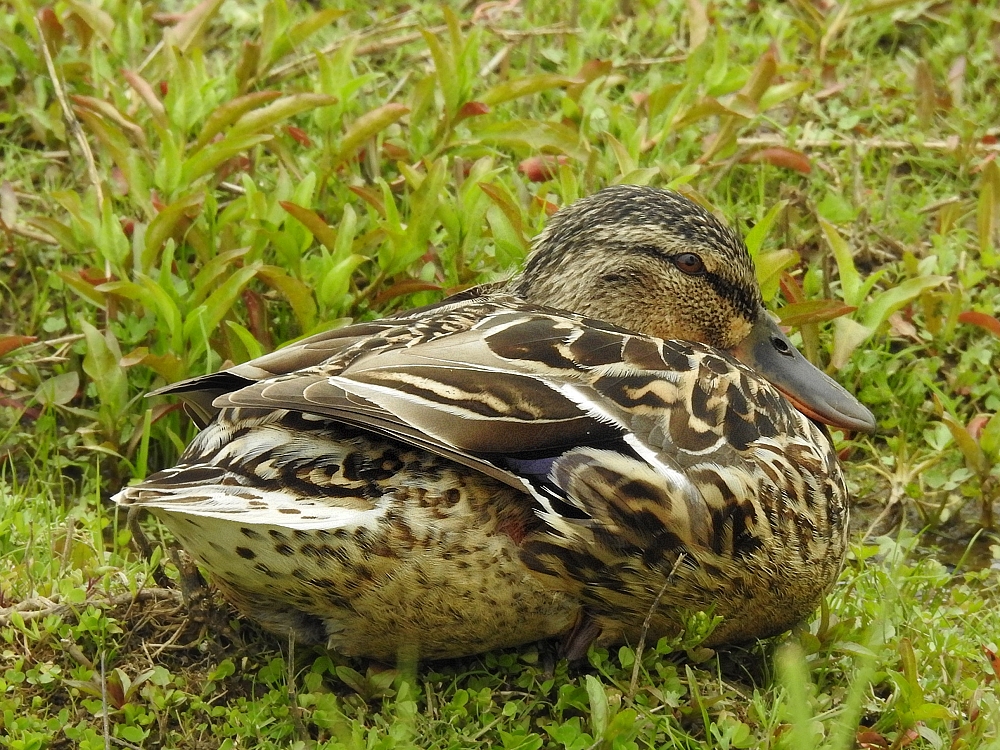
(367, 126)
(208, 316)
(252, 345)
(599, 710)
(162, 226)
(299, 296)
(215, 154)
(877, 312)
(82, 287)
(975, 458)
(535, 135)
(755, 237)
(770, 264)
(112, 242)
(228, 113)
(444, 69)
(58, 390)
(218, 266)
(813, 311)
(850, 280)
(525, 86)
(98, 20)
(101, 363)
(314, 223)
(848, 335)
(265, 118)
(989, 440)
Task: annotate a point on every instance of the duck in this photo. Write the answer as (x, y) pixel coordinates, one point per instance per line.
(618, 436)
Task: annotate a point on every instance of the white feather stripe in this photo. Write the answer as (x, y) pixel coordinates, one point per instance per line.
(253, 506)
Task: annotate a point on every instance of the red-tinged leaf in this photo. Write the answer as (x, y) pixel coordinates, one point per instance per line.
(976, 426)
(369, 125)
(994, 661)
(299, 296)
(95, 276)
(98, 20)
(503, 201)
(191, 25)
(542, 168)
(546, 205)
(406, 286)
(791, 289)
(989, 140)
(589, 72)
(370, 196)
(869, 739)
(75, 281)
(52, 29)
(980, 319)
(781, 156)
(762, 76)
(472, 109)
(639, 98)
(813, 311)
(257, 314)
(26, 411)
(987, 160)
(829, 91)
(975, 459)
(901, 327)
(907, 738)
(120, 184)
(701, 110)
(314, 223)
(9, 342)
(109, 112)
(396, 152)
(225, 115)
(145, 91)
(299, 135)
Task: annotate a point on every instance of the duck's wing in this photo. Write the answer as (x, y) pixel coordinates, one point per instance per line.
(524, 385)
(334, 348)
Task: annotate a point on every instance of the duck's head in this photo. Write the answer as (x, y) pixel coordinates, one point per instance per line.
(654, 262)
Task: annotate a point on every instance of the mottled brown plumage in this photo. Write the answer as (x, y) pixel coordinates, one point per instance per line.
(548, 458)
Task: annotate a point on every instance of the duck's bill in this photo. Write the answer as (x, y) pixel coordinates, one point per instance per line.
(768, 351)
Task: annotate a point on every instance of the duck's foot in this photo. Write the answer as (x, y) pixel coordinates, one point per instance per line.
(144, 546)
(578, 640)
(199, 597)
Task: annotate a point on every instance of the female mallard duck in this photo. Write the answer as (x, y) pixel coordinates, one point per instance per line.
(573, 453)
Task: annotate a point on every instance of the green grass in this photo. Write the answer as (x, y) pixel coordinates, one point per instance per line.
(255, 172)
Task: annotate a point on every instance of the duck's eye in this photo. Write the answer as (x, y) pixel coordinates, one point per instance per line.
(689, 263)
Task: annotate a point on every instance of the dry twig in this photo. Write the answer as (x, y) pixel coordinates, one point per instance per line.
(71, 122)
